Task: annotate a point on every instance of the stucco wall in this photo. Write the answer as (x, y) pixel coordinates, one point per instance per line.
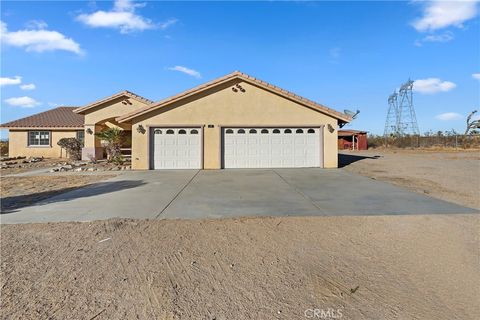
(225, 107)
(18, 144)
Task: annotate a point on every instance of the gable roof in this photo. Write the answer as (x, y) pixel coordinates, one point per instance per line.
(236, 75)
(123, 93)
(58, 118)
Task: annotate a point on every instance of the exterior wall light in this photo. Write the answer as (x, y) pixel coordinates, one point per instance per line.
(89, 131)
(330, 128)
(141, 129)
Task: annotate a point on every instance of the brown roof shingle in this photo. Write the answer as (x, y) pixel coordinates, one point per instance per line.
(61, 117)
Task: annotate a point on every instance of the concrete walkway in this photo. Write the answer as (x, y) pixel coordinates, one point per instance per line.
(187, 194)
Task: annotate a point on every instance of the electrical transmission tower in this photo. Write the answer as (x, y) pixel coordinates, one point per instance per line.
(401, 118)
(407, 120)
(392, 116)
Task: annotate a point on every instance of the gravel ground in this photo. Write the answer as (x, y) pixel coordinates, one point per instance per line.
(392, 267)
(452, 176)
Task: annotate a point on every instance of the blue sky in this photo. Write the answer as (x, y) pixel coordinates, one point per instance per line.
(346, 55)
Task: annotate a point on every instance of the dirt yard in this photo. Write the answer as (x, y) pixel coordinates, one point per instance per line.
(372, 267)
(452, 176)
(415, 267)
(18, 192)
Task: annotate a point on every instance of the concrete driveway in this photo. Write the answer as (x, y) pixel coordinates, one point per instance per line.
(188, 194)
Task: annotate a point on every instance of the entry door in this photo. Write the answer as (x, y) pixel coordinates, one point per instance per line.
(272, 147)
(176, 148)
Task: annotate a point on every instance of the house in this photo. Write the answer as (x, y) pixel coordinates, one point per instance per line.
(235, 121)
(352, 140)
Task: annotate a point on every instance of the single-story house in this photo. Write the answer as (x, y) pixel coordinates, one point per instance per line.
(236, 121)
(352, 140)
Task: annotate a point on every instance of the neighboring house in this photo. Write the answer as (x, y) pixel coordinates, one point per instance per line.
(352, 140)
(235, 121)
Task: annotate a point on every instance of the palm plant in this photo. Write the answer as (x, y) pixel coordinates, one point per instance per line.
(112, 139)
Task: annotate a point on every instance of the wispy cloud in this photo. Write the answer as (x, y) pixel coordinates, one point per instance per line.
(444, 37)
(449, 116)
(186, 70)
(432, 85)
(29, 86)
(122, 17)
(23, 102)
(38, 40)
(4, 81)
(334, 54)
(476, 76)
(439, 14)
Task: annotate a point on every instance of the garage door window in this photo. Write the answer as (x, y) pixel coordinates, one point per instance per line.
(299, 131)
(182, 132)
(287, 131)
(311, 131)
(252, 131)
(229, 131)
(194, 131)
(276, 131)
(264, 131)
(157, 131)
(170, 131)
(241, 131)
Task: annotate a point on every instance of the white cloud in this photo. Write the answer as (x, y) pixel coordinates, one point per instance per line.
(432, 85)
(449, 116)
(122, 17)
(36, 24)
(38, 40)
(186, 70)
(23, 102)
(444, 37)
(29, 86)
(10, 81)
(439, 14)
(476, 76)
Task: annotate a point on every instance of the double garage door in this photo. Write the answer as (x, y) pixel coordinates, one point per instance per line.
(272, 147)
(181, 148)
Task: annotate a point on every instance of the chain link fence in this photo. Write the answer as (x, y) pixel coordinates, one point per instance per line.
(456, 141)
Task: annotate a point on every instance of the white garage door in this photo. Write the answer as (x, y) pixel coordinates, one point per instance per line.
(272, 147)
(176, 148)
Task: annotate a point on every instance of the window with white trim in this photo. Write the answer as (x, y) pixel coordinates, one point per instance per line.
(39, 138)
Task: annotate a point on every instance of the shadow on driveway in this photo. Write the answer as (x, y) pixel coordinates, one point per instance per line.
(346, 159)
(10, 204)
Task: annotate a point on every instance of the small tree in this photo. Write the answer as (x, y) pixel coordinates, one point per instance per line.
(73, 146)
(112, 139)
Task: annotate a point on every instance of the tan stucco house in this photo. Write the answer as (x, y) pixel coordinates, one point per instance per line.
(235, 121)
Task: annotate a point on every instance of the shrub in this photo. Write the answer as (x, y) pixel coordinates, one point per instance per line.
(112, 139)
(73, 146)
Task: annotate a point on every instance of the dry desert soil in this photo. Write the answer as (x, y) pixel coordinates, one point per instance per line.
(371, 267)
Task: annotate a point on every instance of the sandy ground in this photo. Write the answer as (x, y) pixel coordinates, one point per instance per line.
(415, 267)
(387, 267)
(18, 192)
(452, 176)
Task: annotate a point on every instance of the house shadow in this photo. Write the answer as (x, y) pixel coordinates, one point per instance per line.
(347, 159)
(11, 204)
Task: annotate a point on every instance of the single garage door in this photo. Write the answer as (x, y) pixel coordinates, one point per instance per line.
(176, 148)
(272, 147)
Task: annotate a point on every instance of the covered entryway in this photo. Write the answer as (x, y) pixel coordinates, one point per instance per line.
(291, 147)
(176, 148)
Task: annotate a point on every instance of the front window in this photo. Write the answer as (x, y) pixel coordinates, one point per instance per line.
(39, 138)
(81, 136)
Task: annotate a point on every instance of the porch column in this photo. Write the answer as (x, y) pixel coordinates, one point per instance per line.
(92, 145)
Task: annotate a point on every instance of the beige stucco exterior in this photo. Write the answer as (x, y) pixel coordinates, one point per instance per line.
(221, 107)
(18, 144)
(102, 116)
